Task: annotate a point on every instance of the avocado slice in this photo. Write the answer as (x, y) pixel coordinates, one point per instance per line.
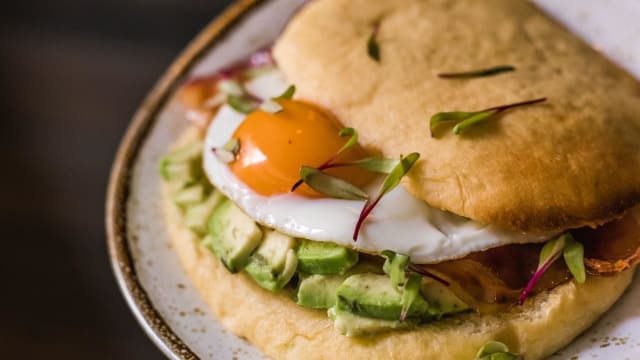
(353, 325)
(374, 296)
(441, 297)
(319, 291)
(234, 235)
(325, 258)
(197, 215)
(274, 263)
(192, 193)
(182, 164)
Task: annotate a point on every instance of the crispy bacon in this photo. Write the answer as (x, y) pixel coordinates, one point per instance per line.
(613, 247)
(491, 280)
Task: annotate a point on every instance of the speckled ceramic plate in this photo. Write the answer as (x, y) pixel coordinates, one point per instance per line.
(147, 270)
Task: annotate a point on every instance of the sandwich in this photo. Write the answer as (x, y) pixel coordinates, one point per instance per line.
(409, 179)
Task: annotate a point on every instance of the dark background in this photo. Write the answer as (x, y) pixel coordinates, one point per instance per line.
(72, 72)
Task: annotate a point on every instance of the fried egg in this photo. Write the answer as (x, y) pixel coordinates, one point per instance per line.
(273, 146)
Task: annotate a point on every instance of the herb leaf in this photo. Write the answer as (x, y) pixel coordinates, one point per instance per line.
(574, 258)
(395, 266)
(373, 49)
(241, 104)
(391, 181)
(468, 119)
(227, 153)
(271, 106)
(494, 350)
(478, 73)
(331, 185)
(467, 123)
(288, 94)
(375, 164)
(353, 140)
(410, 293)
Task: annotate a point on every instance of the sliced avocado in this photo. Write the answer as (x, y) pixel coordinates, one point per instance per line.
(441, 297)
(182, 164)
(197, 216)
(234, 235)
(315, 257)
(192, 193)
(353, 325)
(319, 291)
(395, 266)
(374, 296)
(274, 263)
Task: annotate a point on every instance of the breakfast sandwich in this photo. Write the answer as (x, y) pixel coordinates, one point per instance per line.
(409, 179)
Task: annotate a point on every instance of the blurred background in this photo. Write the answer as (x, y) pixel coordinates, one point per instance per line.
(72, 73)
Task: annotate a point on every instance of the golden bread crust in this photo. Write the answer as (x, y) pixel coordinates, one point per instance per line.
(284, 330)
(569, 162)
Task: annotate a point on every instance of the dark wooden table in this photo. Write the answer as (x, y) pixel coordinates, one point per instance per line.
(72, 73)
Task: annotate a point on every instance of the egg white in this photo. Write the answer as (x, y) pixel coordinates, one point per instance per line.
(400, 222)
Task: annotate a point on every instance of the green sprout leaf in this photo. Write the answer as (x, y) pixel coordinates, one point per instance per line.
(574, 258)
(373, 48)
(573, 253)
(390, 182)
(227, 153)
(467, 123)
(410, 293)
(288, 94)
(241, 104)
(495, 350)
(330, 185)
(374, 164)
(478, 73)
(467, 119)
(230, 88)
(353, 140)
(395, 265)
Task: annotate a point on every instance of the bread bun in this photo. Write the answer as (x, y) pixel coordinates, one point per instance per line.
(546, 167)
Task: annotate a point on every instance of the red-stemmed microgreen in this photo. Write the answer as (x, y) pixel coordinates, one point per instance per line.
(395, 266)
(495, 70)
(390, 182)
(272, 106)
(353, 140)
(551, 251)
(469, 118)
(373, 48)
(494, 350)
(228, 152)
(330, 185)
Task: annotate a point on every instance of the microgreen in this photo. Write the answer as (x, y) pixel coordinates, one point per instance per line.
(331, 185)
(227, 153)
(390, 182)
(395, 265)
(572, 252)
(272, 106)
(494, 350)
(241, 104)
(288, 94)
(373, 48)
(469, 118)
(353, 140)
(478, 73)
(410, 293)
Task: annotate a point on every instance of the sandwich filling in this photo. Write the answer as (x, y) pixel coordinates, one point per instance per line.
(277, 189)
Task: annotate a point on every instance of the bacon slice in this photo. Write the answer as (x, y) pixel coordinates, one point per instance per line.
(613, 247)
(491, 280)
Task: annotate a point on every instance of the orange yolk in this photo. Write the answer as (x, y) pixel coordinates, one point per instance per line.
(273, 147)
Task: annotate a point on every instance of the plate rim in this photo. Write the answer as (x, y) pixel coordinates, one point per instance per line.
(118, 190)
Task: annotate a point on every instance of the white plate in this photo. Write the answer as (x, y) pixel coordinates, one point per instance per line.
(190, 329)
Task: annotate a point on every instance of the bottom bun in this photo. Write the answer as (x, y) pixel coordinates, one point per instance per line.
(283, 330)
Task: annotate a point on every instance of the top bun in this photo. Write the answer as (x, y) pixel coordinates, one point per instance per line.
(571, 161)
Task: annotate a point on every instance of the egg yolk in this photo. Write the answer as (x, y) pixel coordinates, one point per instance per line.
(273, 147)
